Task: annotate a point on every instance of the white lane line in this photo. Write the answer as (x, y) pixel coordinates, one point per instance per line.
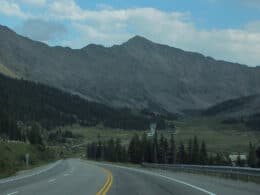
(66, 174)
(165, 177)
(30, 175)
(51, 180)
(13, 193)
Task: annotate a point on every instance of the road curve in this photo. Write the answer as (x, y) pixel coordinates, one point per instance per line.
(140, 181)
(68, 177)
(75, 176)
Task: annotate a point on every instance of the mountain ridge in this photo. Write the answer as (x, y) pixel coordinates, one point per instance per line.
(137, 74)
(238, 107)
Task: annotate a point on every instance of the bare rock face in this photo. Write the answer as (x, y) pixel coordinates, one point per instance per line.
(137, 74)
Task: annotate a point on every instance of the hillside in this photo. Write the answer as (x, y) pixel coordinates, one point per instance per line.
(243, 106)
(136, 74)
(24, 102)
(6, 71)
(245, 110)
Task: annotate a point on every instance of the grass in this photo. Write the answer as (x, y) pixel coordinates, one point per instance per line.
(91, 134)
(13, 154)
(218, 137)
(6, 71)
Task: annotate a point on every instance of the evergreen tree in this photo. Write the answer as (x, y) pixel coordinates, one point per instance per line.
(118, 151)
(189, 155)
(195, 151)
(203, 154)
(145, 148)
(181, 155)
(111, 150)
(99, 148)
(257, 152)
(172, 151)
(35, 136)
(238, 161)
(251, 160)
(134, 150)
(161, 152)
(166, 150)
(155, 148)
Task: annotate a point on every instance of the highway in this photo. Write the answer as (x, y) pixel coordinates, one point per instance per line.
(76, 176)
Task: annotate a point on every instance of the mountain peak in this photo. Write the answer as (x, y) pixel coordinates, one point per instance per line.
(137, 39)
(5, 29)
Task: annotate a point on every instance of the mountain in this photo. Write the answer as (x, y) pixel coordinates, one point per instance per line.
(243, 110)
(136, 74)
(243, 106)
(6, 71)
(24, 102)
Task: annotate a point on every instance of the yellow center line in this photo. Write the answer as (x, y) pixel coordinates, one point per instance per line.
(108, 184)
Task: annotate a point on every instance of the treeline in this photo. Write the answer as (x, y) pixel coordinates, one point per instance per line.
(165, 151)
(28, 102)
(155, 150)
(253, 122)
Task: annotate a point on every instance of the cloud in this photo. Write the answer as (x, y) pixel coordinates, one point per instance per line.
(66, 9)
(42, 30)
(110, 26)
(36, 3)
(253, 26)
(10, 8)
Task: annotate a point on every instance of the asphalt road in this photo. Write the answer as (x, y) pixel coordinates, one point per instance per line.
(68, 177)
(76, 177)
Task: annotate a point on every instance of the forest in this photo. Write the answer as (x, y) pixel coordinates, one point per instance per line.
(27, 107)
(162, 150)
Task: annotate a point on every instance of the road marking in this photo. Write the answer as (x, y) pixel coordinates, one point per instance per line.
(108, 184)
(51, 180)
(13, 193)
(66, 174)
(165, 177)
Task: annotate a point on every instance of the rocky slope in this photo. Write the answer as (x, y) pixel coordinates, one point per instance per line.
(138, 73)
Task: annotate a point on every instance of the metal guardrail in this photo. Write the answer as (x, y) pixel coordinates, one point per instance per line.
(227, 170)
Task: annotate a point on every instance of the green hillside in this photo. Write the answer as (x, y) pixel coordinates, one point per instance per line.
(6, 71)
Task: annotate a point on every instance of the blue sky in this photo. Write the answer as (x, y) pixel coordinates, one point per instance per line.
(228, 30)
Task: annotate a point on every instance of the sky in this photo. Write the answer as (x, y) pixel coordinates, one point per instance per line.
(226, 30)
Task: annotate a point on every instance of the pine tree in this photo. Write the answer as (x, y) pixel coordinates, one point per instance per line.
(181, 155)
(172, 151)
(238, 162)
(134, 150)
(35, 136)
(118, 151)
(99, 148)
(155, 148)
(251, 160)
(195, 151)
(189, 155)
(111, 150)
(145, 148)
(203, 154)
(166, 150)
(257, 152)
(161, 152)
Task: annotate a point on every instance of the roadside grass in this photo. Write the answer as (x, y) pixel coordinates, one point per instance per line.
(12, 158)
